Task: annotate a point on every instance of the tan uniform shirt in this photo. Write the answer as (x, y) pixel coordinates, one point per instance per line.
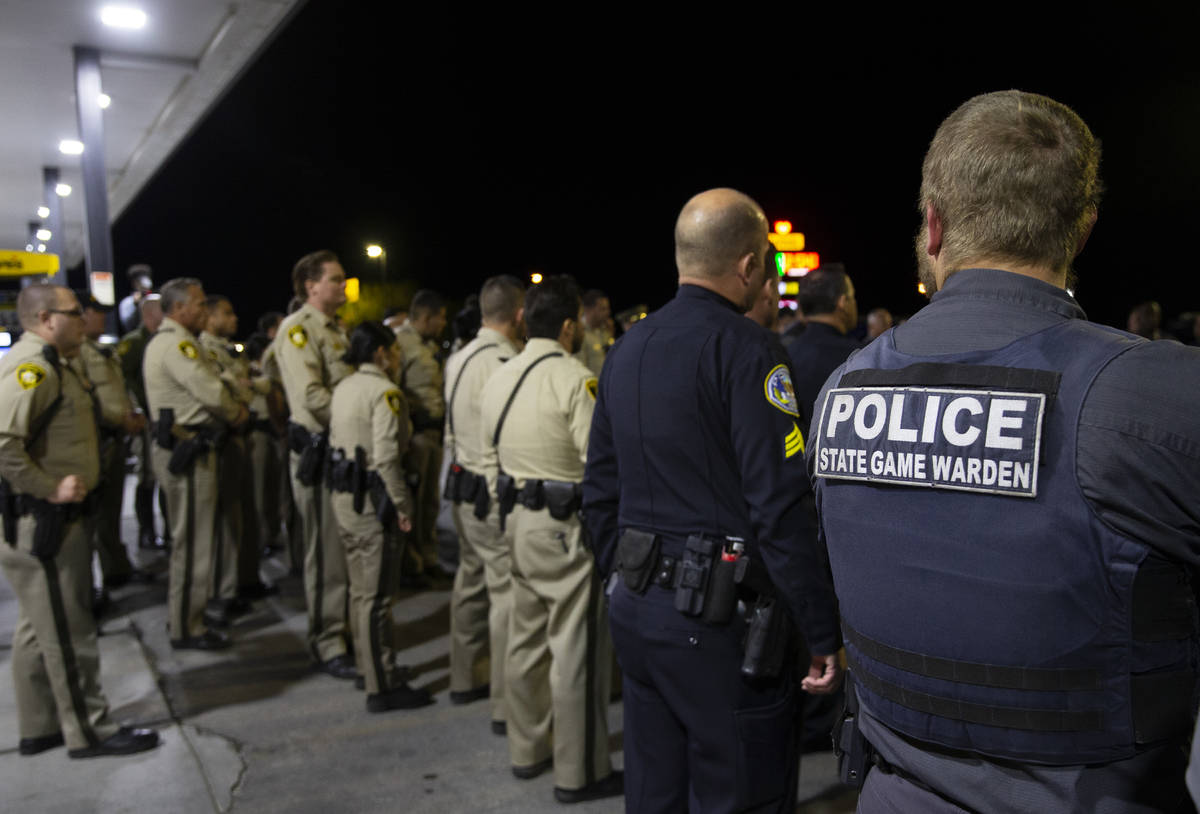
(103, 370)
(131, 350)
(68, 445)
(422, 377)
(595, 347)
(464, 438)
(369, 411)
(545, 433)
(309, 348)
(234, 372)
(179, 375)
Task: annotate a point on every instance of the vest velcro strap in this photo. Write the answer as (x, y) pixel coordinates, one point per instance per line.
(1035, 720)
(1162, 705)
(968, 672)
(936, 374)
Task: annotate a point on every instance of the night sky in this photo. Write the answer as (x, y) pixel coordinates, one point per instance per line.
(470, 146)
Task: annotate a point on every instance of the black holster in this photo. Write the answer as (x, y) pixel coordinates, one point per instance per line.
(385, 510)
(184, 455)
(768, 635)
(162, 429)
(854, 753)
(562, 498)
(453, 487)
(313, 459)
(506, 494)
(699, 552)
(8, 509)
(637, 556)
(49, 528)
(481, 498)
(358, 479)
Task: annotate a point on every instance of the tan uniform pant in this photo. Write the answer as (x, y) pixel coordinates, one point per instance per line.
(371, 554)
(425, 458)
(114, 559)
(192, 506)
(325, 577)
(480, 605)
(249, 552)
(55, 659)
(557, 670)
(232, 465)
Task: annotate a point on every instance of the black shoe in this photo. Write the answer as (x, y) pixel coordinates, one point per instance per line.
(237, 607)
(136, 576)
(611, 786)
(499, 728)
(34, 746)
(257, 590)
(403, 697)
(217, 616)
(530, 772)
(127, 741)
(339, 667)
(467, 696)
(208, 640)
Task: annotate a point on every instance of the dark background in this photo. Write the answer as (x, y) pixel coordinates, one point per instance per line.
(471, 146)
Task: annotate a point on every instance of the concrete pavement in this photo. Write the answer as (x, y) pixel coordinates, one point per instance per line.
(256, 729)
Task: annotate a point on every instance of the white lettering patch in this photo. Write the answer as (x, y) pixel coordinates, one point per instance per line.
(973, 440)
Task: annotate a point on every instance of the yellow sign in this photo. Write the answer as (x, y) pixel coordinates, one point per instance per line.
(22, 264)
(352, 289)
(790, 242)
(797, 264)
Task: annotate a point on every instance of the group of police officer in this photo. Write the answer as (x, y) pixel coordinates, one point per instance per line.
(1002, 493)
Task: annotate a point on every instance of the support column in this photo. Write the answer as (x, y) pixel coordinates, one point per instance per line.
(97, 233)
(55, 223)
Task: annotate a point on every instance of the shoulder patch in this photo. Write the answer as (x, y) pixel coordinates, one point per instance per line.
(779, 390)
(188, 349)
(298, 336)
(29, 375)
(123, 347)
(394, 400)
(592, 385)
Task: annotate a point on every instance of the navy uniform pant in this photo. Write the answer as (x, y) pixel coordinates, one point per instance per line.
(698, 737)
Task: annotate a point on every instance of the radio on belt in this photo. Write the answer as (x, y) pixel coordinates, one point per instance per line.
(967, 439)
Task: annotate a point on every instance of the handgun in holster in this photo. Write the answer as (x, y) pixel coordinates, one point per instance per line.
(50, 525)
(768, 635)
(358, 479)
(561, 498)
(480, 497)
(312, 459)
(8, 509)
(854, 753)
(452, 488)
(184, 454)
(163, 434)
(506, 494)
(385, 510)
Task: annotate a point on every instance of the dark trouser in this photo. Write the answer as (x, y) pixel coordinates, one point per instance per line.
(697, 736)
(114, 559)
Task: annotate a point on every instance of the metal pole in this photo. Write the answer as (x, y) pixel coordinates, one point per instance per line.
(98, 238)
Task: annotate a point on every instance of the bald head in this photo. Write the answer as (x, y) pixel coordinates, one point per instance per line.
(36, 298)
(715, 230)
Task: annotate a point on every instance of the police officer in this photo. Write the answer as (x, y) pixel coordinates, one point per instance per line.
(116, 419)
(481, 600)
(310, 348)
(696, 413)
(192, 410)
(131, 351)
(537, 409)
(1008, 494)
(422, 382)
(49, 464)
(597, 335)
(368, 432)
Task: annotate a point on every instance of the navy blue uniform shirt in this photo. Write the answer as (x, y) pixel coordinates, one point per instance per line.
(814, 354)
(696, 431)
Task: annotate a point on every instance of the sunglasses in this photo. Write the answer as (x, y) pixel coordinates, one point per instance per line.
(69, 312)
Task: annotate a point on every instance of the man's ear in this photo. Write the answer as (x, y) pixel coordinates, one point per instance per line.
(933, 246)
(1087, 231)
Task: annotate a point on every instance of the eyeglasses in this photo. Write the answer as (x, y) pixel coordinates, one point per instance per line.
(68, 312)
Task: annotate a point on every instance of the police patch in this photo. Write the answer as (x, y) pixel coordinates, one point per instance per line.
(298, 336)
(394, 400)
(123, 347)
(29, 376)
(779, 390)
(592, 385)
(188, 349)
(971, 440)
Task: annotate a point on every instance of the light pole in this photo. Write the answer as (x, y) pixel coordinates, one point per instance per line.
(377, 252)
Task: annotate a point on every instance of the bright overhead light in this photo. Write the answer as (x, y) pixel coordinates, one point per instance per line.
(42, 234)
(43, 211)
(374, 251)
(28, 247)
(123, 17)
(41, 247)
(104, 100)
(63, 190)
(70, 146)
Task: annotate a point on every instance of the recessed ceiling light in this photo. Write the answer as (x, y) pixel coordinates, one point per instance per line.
(43, 211)
(41, 247)
(104, 100)
(63, 190)
(123, 17)
(42, 234)
(28, 247)
(70, 146)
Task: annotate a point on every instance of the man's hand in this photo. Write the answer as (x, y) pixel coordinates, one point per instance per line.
(404, 522)
(69, 490)
(242, 417)
(134, 423)
(824, 675)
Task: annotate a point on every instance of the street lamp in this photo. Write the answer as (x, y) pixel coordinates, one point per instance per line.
(377, 252)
